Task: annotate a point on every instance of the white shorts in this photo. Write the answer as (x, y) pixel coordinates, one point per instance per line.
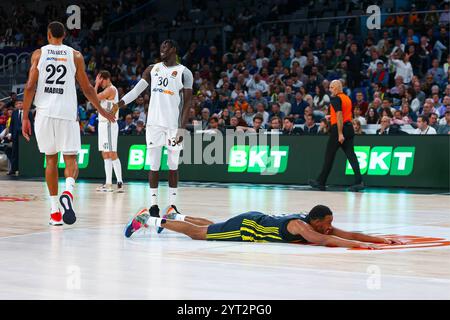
(107, 136)
(161, 136)
(57, 135)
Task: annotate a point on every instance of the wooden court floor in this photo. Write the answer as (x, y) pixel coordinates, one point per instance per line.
(92, 259)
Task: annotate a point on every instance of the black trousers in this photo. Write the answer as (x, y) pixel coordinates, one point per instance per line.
(332, 147)
(15, 155)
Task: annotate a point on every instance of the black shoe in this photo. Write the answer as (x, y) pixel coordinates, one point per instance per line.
(176, 209)
(120, 188)
(357, 187)
(11, 173)
(154, 211)
(316, 185)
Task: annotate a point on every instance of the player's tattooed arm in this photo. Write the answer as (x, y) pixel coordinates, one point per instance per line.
(138, 88)
(29, 91)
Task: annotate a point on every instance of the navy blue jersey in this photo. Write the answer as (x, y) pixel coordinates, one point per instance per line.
(256, 226)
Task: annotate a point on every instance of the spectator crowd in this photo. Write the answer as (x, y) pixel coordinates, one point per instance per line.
(396, 76)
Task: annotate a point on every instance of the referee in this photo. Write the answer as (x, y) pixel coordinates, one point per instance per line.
(341, 135)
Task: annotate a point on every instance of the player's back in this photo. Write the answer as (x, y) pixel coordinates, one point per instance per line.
(56, 95)
(277, 224)
(165, 100)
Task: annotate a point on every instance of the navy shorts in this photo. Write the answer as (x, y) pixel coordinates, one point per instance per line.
(250, 227)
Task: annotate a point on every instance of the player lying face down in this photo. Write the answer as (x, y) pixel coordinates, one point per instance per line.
(315, 227)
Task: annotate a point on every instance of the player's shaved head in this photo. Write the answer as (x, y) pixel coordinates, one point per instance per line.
(56, 29)
(336, 87)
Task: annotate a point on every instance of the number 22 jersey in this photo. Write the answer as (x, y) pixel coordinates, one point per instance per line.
(56, 95)
(165, 101)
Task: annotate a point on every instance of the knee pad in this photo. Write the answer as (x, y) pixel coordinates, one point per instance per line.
(173, 157)
(154, 158)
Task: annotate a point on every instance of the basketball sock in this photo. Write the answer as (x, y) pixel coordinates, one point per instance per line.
(108, 171)
(180, 217)
(117, 169)
(155, 222)
(70, 184)
(54, 203)
(153, 196)
(172, 195)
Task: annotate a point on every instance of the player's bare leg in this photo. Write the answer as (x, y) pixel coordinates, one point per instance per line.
(51, 177)
(66, 198)
(173, 214)
(198, 221)
(143, 220)
(193, 231)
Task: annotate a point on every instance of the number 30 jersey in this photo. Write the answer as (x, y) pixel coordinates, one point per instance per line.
(166, 94)
(56, 95)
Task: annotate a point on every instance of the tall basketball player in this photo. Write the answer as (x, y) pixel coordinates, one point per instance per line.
(171, 84)
(51, 78)
(108, 132)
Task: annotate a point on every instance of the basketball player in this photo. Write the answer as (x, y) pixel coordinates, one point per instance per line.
(52, 75)
(108, 132)
(314, 227)
(170, 84)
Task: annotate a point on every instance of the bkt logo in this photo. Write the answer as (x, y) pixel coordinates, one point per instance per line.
(383, 160)
(138, 158)
(258, 159)
(82, 159)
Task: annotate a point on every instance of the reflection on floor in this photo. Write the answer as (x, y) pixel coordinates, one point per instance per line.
(92, 259)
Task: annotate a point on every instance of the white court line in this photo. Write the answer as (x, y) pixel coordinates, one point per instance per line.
(205, 260)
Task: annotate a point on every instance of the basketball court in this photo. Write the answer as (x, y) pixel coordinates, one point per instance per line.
(93, 260)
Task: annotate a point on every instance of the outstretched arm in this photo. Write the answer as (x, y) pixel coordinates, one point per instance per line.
(303, 229)
(138, 88)
(29, 91)
(363, 237)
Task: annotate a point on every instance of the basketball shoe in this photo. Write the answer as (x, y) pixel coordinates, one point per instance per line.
(170, 214)
(56, 219)
(138, 221)
(120, 188)
(105, 188)
(66, 201)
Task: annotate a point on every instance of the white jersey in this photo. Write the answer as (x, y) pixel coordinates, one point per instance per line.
(166, 90)
(56, 95)
(107, 105)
